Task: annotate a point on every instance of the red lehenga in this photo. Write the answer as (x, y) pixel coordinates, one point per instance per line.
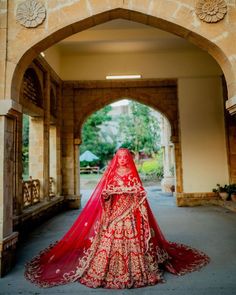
(115, 241)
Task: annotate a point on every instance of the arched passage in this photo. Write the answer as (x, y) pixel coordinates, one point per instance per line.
(179, 28)
(155, 141)
(91, 96)
(23, 45)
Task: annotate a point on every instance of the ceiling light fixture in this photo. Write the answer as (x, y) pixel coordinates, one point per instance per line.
(114, 77)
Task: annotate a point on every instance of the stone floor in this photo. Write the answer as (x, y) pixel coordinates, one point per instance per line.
(211, 229)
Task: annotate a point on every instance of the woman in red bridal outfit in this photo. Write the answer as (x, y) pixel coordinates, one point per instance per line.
(115, 241)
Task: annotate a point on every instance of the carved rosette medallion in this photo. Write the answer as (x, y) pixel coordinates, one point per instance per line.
(211, 11)
(30, 13)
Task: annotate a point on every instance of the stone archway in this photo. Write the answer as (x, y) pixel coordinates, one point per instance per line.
(93, 14)
(88, 97)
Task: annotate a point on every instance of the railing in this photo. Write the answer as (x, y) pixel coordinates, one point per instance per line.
(31, 192)
(89, 169)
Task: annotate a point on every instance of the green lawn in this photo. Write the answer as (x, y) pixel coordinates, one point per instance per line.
(88, 181)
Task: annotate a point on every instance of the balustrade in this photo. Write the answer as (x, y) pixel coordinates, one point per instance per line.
(51, 187)
(31, 192)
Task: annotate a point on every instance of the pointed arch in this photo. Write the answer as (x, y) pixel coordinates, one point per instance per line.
(51, 37)
(161, 95)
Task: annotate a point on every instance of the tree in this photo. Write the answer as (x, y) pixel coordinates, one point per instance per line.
(140, 128)
(93, 140)
(25, 146)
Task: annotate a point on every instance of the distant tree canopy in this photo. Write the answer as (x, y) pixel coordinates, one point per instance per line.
(93, 139)
(25, 131)
(25, 146)
(140, 129)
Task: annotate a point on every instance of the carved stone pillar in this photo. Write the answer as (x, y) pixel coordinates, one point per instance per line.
(8, 238)
(46, 135)
(39, 145)
(74, 202)
(70, 151)
(36, 151)
(58, 144)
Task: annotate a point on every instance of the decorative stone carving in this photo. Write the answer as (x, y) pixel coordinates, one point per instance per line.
(211, 11)
(30, 13)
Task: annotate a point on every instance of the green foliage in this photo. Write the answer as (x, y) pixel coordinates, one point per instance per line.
(25, 146)
(228, 188)
(140, 129)
(93, 139)
(149, 166)
(25, 131)
(152, 167)
(220, 189)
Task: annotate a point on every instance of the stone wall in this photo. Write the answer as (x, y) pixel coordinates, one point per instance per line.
(8, 239)
(66, 18)
(82, 98)
(3, 46)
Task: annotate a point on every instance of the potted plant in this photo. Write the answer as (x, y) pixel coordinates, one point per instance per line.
(232, 191)
(222, 191)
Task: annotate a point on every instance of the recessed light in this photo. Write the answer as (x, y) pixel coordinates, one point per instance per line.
(114, 77)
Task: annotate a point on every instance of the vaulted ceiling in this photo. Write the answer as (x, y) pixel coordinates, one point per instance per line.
(120, 36)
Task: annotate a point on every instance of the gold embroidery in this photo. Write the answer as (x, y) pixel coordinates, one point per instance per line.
(121, 255)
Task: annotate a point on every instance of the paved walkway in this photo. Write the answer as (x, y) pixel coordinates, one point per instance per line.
(210, 229)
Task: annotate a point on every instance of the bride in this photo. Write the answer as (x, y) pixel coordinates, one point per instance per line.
(115, 241)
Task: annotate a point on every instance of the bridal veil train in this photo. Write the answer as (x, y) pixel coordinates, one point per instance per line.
(115, 242)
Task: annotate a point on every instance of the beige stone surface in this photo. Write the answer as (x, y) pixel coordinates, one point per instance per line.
(202, 134)
(6, 175)
(180, 14)
(196, 199)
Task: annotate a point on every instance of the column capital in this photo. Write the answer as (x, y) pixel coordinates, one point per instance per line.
(231, 105)
(77, 141)
(6, 105)
(174, 139)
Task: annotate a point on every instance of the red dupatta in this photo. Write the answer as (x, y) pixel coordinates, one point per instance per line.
(58, 263)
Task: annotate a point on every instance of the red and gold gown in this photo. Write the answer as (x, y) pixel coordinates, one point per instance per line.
(115, 242)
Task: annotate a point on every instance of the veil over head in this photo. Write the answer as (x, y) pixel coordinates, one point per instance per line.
(66, 260)
(48, 268)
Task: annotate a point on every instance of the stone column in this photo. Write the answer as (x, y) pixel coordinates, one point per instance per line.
(58, 143)
(178, 165)
(167, 165)
(18, 200)
(168, 182)
(77, 168)
(53, 157)
(8, 238)
(3, 46)
(36, 151)
(70, 151)
(39, 145)
(75, 201)
(46, 131)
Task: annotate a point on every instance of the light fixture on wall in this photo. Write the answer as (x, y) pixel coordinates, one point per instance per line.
(116, 77)
(42, 54)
